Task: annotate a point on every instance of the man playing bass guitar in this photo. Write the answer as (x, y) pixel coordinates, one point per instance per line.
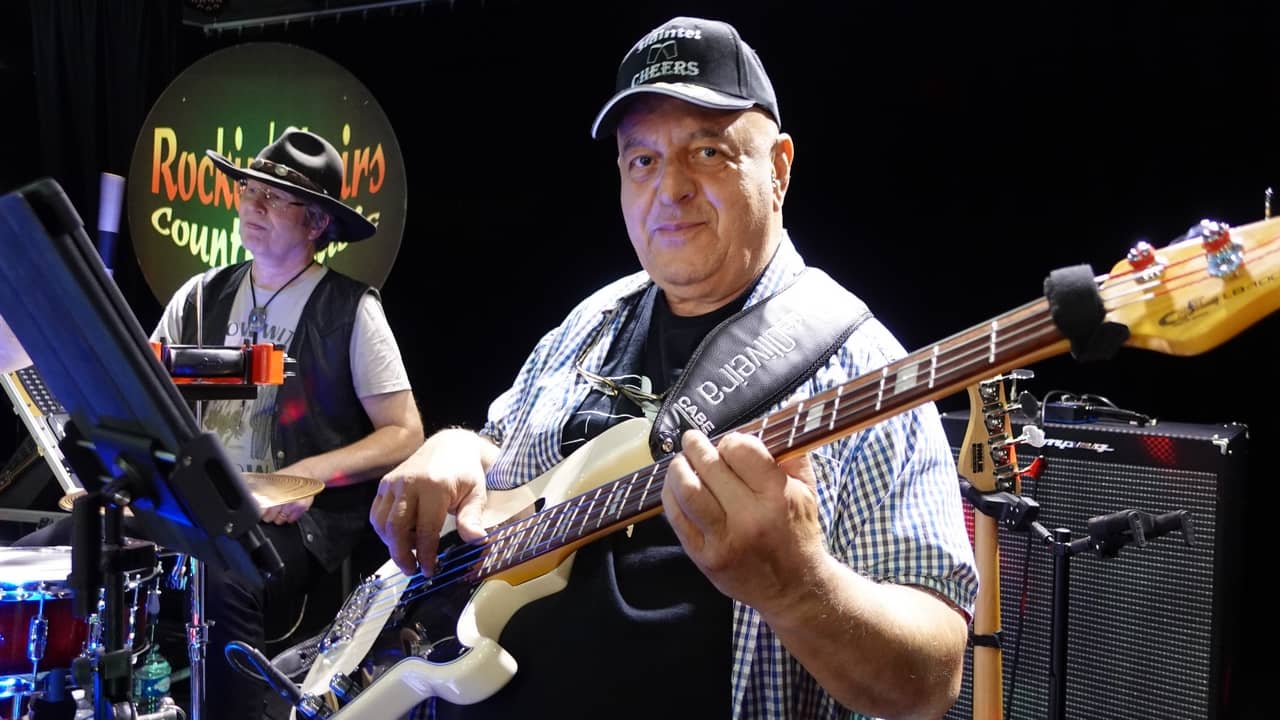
(834, 581)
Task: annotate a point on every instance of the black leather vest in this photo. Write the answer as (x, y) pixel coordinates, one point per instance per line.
(316, 410)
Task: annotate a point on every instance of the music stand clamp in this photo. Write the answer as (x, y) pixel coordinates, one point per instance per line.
(1107, 534)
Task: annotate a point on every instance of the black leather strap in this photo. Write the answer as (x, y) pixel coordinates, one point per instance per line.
(756, 358)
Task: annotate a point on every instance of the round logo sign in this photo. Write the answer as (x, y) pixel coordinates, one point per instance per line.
(183, 212)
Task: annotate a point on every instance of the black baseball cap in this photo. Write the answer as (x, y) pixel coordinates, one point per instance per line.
(704, 62)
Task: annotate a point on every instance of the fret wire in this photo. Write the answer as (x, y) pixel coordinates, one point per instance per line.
(592, 507)
(504, 552)
(562, 530)
(531, 550)
(653, 473)
(795, 419)
(611, 502)
(577, 508)
(627, 493)
(884, 373)
(522, 539)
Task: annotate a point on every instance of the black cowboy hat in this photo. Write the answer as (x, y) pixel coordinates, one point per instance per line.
(309, 167)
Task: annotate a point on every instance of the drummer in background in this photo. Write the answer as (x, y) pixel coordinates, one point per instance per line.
(348, 416)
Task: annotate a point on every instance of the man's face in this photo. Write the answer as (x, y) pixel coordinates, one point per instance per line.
(273, 221)
(697, 197)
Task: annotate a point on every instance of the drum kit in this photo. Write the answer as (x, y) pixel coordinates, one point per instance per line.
(41, 638)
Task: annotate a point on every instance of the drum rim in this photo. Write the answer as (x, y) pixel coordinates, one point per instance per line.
(43, 589)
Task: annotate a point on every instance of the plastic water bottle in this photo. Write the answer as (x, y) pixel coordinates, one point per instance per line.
(151, 678)
(151, 682)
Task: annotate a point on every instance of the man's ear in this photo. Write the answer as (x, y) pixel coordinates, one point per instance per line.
(784, 151)
(319, 224)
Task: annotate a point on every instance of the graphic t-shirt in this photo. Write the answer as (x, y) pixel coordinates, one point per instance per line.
(244, 427)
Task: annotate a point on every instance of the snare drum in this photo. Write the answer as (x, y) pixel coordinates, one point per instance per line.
(34, 583)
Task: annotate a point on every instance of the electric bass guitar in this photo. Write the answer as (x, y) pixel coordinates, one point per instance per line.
(401, 640)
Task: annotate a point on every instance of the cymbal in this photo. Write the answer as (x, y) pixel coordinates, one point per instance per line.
(269, 489)
(66, 501)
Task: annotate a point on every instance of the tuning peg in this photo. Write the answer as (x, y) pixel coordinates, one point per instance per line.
(1223, 253)
(1028, 404)
(1014, 375)
(1031, 435)
(1146, 263)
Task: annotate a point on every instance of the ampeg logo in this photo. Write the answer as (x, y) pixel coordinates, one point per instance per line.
(1077, 445)
(183, 211)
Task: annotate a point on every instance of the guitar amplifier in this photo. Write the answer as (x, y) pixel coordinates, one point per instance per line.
(1152, 630)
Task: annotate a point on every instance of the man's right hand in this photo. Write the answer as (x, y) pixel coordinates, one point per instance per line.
(445, 475)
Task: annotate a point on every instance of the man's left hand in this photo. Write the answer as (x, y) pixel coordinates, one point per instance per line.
(750, 524)
(288, 512)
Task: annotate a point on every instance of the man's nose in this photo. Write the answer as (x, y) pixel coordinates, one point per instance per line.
(250, 198)
(675, 185)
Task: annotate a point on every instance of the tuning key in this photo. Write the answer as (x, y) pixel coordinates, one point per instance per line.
(1222, 252)
(1028, 404)
(1031, 435)
(1146, 262)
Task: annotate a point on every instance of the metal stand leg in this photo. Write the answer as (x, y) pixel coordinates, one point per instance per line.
(197, 638)
(197, 629)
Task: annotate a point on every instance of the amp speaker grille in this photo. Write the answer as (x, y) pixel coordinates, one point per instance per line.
(1149, 633)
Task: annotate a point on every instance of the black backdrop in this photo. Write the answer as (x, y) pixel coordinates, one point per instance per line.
(948, 157)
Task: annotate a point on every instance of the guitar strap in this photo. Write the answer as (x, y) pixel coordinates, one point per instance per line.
(753, 360)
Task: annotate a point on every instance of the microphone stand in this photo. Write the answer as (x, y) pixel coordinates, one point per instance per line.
(1107, 534)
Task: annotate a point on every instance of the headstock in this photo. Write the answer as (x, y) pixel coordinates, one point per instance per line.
(1198, 292)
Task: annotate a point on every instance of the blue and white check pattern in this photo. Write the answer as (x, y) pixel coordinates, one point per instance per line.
(888, 496)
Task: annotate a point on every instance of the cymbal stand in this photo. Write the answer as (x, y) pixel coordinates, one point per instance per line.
(197, 628)
(188, 575)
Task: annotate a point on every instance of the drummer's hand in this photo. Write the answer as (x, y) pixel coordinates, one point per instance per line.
(288, 512)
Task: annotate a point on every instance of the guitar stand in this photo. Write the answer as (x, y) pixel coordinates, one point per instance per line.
(1107, 534)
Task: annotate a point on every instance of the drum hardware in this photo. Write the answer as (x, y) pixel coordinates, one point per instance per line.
(197, 638)
(107, 564)
(37, 641)
(40, 637)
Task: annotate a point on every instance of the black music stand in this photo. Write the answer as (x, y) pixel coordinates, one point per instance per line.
(132, 439)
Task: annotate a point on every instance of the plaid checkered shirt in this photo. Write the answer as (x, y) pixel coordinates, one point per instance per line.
(888, 495)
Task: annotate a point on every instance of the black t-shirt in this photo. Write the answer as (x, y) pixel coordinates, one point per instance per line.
(639, 632)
